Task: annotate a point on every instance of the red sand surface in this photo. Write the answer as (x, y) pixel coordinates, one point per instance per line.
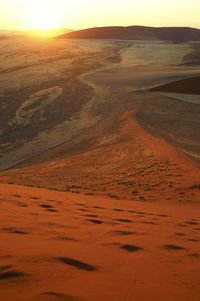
(96, 248)
(137, 163)
(62, 246)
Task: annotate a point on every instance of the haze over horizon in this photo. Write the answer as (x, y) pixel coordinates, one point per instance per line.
(25, 15)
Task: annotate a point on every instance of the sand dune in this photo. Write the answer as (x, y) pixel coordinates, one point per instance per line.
(115, 215)
(55, 246)
(187, 86)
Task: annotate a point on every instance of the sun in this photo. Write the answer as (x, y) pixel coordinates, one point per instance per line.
(43, 19)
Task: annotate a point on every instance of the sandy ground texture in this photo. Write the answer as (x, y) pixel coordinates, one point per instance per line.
(129, 163)
(57, 246)
(134, 143)
(42, 101)
(115, 215)
(53, 90)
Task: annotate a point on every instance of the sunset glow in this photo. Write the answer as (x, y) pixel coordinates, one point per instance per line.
(79, 14)
(43, 19)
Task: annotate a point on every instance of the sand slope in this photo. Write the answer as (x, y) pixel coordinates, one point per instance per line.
(55, 246)
(125, 224)
(187, 86)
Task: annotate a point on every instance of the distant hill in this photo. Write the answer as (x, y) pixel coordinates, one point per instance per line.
(178, 34)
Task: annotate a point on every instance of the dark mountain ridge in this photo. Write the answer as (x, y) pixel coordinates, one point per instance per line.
(136, 33)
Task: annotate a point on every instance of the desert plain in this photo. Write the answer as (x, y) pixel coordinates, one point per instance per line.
(100, 178)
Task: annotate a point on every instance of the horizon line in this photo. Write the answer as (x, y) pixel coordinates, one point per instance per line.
(102, 26)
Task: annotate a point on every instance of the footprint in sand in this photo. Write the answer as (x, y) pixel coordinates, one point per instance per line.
(57, 202)
(195, 255)
(162, 215)
(192, 239)
(173, 247)
(123, 220)
(97, 207)
(182, 225)
(83, 210)
(52, 210)
(5, 267)
(95, 221)
(77, 264)
(179, 234)
(15, 230)
(46, 206)
(191, 223)
(6, 273)
(122, 232)
(54, 296)
(66, 238)
(131, 248)
(91, 215)
(82, 205)
(22, 205)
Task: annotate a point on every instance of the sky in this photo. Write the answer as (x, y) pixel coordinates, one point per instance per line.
(79, 14)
